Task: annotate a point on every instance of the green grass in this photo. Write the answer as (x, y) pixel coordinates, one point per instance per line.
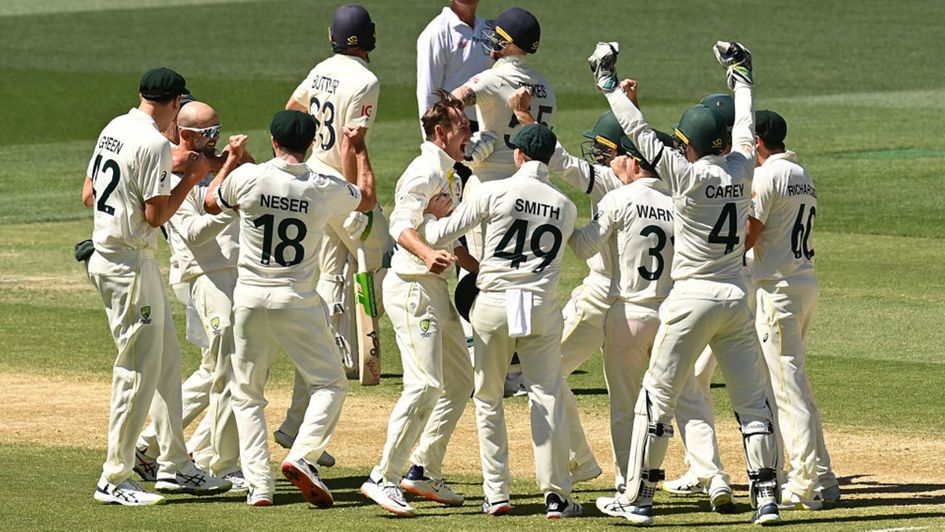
(45, 488)
(860, 85)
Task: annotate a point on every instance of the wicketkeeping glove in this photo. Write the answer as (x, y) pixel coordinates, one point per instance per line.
(737, 59)
(603, 63)
(480, 146)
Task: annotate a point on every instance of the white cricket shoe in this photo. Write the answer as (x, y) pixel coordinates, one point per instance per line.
(258, 498)
(240, 484)
(767, 512)
(192, 481)
(432, 488)
(684, 485)
(793, 501)
(640, 511)
(559, 507)
(616, 506)
(496, 509)
(388, 495)
(304, 475)
(720, 496)
(126, 493)
(586, 471)
(145, 466)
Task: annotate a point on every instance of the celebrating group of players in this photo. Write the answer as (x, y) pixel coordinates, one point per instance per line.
(671, 289)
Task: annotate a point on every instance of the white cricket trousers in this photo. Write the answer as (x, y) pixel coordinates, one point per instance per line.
(695, 418)
(783, 320)
(540, 356)
(215, 442)
(148, 361)
(695, 314)
(304, 335)
(585, 317)
(438, 376)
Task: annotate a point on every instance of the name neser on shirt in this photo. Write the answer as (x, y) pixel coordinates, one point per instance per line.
(283, 203)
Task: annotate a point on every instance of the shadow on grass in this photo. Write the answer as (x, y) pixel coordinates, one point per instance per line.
(590, 391)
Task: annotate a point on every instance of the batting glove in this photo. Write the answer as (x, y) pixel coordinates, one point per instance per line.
(355, 224)
(480, 146)
(737, 60)
(603, 63)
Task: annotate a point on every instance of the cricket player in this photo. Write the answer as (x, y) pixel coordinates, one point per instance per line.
(635, 223)
(784, 205)
(437, 371)
(340, 91)
(695, 416)
(284, 207)
(204, 250)
(128, 186)
(526, 223)
(708, 304)
(448, 54)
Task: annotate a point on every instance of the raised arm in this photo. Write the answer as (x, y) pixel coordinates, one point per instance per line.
(353, 140)
(587, 241)
(469, 213)
(235, 148)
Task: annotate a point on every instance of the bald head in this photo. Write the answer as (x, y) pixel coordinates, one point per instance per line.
(197, 115)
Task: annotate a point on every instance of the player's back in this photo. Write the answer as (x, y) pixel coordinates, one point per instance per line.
(493, 89)
(528, 223)
(131, 164)
(711, 200)
(642, 248)
(283, 212)
(339, 91)
(785, 201)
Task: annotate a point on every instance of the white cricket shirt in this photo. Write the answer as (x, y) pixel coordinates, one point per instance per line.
(431, 173)
(493, 88)
(785, 201)
(201, 242)
(635, 223)
(340, 91)
(131, 164)
(283, 210)
(448, 54)
(526, 223)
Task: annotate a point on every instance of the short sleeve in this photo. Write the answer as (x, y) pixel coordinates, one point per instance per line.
(300, 94)
(340, 197)
(484, 83)
(363, 107)
(228, 191)
(156, 171)
(762, 195)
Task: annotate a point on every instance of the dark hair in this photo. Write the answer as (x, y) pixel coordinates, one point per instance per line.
(439, 113)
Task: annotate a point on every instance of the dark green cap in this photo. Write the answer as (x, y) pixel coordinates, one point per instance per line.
(771, 127)
(536, 141)
(162, 84)
(632, 150)
(293, 130)
(724, 104)
(607, 131)
(702, 128)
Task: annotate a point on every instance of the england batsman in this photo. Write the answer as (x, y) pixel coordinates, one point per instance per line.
(437, 371)
(526, 222)
(341, 91)
(784, 206)
(284, 207)
(708, 304)
(128, 186)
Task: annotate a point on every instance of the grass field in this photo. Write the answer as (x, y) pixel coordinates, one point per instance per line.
(860, 84)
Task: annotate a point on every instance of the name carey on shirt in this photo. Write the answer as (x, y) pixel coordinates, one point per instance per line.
(725, 191)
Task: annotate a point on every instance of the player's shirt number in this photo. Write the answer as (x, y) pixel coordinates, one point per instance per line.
(726, 220)
(519, 232)
(800, 234)
(324, 115)
(513, 122)
(655, 251)
(115, 174)
(268, 223)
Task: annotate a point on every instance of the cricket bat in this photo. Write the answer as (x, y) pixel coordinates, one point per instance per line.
(369, 345)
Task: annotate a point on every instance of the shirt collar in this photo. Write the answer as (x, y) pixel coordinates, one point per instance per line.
(445, 161)
(534, 169)
(138, 114)
(346, 57)
(518, 60)
(295, 169)
(652, 182)
(787, 155)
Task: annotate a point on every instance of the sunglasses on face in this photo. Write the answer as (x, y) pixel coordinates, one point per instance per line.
(208, 132)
